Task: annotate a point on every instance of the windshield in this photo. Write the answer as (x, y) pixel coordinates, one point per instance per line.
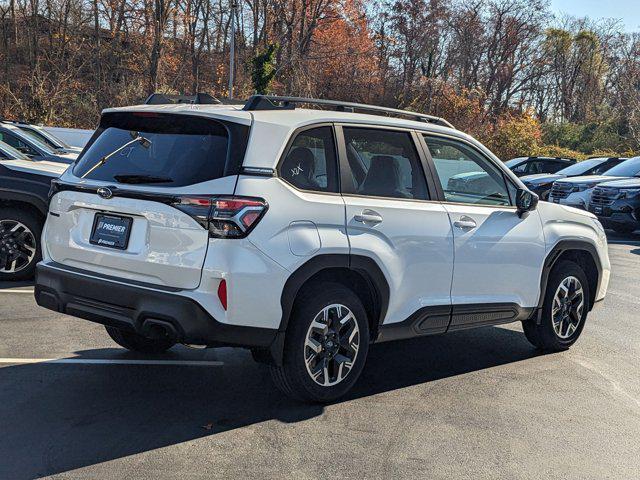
(45, 138)
(10, 153)
(514, 161)
(181, 150)
(581, 168)
(628, 168)
(32, 142)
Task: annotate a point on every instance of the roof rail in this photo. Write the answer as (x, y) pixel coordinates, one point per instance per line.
(15, 122)
(197, 99)
(272, 102)
(543, 157)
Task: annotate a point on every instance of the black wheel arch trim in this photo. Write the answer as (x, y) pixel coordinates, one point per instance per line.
(554, 255)
(24, 197)
(365, 266)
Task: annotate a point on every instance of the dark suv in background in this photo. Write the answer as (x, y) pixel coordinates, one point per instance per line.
(541, 183)
(43, 136)
(617, 204)
(522, 166)
(32, 147)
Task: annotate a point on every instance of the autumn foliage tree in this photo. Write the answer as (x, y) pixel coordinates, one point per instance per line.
(505, 71)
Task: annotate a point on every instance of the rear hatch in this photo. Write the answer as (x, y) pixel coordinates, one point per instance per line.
(130, 214)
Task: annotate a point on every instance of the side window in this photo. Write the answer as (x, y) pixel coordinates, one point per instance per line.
(534, 167)
(465, 175)
(310, 162)
(384, 164)
(522, 169)
(603, 167)
(544, 166)
(553, 167)
(18, 144)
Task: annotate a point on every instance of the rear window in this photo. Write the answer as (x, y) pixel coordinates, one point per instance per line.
(163, 149)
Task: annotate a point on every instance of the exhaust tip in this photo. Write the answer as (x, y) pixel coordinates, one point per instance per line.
(159, 329)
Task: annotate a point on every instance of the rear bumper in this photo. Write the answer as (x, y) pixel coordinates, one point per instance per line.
(137, 307)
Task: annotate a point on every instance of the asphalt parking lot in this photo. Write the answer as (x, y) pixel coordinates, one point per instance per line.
(474, 404)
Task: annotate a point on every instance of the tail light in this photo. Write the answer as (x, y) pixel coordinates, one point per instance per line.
(224, 217)
(222, 293)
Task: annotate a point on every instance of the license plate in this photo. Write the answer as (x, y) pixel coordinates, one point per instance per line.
(597, 209)
(111, 231)
(555, 200)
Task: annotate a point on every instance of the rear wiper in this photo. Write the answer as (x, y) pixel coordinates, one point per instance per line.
(145, 142)
(132, 178)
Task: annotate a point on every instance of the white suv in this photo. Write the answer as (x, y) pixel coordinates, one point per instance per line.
(307, 235)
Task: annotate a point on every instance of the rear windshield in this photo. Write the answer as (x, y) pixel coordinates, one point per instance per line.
(161, 149)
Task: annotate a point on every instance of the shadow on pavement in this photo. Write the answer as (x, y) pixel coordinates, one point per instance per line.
(16, 285)
(631, 238)
(56, 418)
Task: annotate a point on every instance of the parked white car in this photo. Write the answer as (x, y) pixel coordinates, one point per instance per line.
(306, 235)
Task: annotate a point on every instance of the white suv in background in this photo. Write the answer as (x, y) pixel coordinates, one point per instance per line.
(306, 235)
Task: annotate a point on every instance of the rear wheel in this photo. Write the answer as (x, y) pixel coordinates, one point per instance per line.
(565, 309)
(20, 232)
(137, 343)
(326, 344)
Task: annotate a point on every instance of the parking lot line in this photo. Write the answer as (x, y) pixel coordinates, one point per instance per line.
(16, 290)
(102, 361)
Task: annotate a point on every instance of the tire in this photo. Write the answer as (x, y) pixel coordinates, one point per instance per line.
(20, 250)
(545, 335)
(295, 377)
(624, 228)
(137, 343)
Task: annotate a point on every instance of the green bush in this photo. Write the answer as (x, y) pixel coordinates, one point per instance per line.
(263, 69)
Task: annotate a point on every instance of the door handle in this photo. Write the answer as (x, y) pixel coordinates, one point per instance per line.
(465, 223)
(368, 216)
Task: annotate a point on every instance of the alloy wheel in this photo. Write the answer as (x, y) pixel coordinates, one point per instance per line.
(332, 344)
(567, 307)
(17, 246)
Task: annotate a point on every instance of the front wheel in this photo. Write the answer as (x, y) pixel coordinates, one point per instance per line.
(20, 232)
(326, 344)
(565, 309)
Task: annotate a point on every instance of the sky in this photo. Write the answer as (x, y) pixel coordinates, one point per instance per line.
(628, 11)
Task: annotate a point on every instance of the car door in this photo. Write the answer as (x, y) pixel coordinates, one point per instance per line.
(391, 218)
(498, 254)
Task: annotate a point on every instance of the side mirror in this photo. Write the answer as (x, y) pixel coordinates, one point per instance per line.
(525, 201)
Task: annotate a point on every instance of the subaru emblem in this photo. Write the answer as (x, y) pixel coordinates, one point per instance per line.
(105, 192)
